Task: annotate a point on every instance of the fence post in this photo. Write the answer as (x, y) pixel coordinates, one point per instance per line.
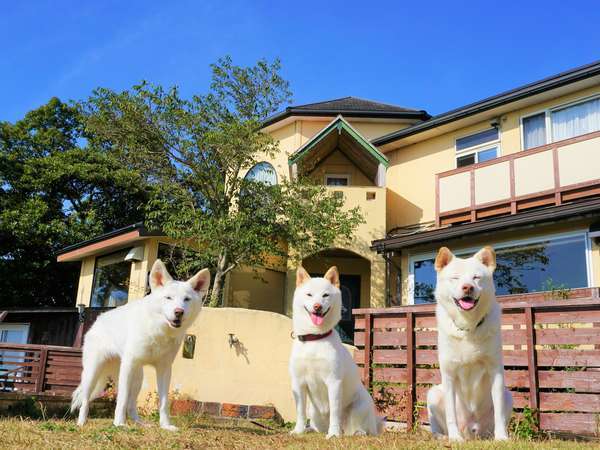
(39, 384)
(368, 345)
(410, 369)
(532, 362)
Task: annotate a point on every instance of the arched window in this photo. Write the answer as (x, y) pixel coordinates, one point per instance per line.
(263, 172)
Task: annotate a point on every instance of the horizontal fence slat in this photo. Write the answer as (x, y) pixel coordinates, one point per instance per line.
(389, 356)
(570, 422)
(568, 317)
(561, 401)
(581, 381)
(390, 374)
(568, 358)
(389, 322)
(386, 339)
(566, 336)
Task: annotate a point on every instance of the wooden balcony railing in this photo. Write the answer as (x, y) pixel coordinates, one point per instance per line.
(546, 175)
(39, 369)
(551, 357)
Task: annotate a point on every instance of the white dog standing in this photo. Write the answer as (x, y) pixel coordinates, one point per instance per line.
(472, 400)
(144, 332)
(325, 380)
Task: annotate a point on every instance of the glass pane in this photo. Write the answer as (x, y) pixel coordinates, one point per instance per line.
(576, 120)
(263, 172)
(486, 155)
(534, 131)
(424, 278)
(111, 280)
(337, 181)
(466, 160)
(477, 139)
(542, 266)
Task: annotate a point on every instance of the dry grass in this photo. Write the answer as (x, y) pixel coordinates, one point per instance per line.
(203, 433)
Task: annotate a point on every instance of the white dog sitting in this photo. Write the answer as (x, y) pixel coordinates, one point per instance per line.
(325, 379)
(144, 332)
(472, 400)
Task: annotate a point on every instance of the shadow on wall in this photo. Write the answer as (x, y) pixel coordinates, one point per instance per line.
(400, 212)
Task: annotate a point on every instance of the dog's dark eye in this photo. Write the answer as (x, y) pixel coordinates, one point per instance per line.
(309, 294)
(187, 299)
(168, 298)
(325, 295)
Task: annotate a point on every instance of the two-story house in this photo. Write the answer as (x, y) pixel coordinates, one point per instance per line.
(519, 171)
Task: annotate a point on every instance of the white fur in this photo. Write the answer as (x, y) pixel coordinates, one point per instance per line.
(325, 380)
(472, 400)
(142, 332)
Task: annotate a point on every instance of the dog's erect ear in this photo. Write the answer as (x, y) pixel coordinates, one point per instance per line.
(333, 276)
(200, 281)
(443, 258)
(487, 256)
(159, 276)
(302, 276)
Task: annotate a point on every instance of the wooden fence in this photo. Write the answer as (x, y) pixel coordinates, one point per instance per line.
(551, 358)
(39, 369)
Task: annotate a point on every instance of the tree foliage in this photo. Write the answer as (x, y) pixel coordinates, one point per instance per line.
(54, 192)
(196, 153)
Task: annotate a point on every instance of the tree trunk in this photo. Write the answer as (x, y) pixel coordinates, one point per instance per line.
(215, 296)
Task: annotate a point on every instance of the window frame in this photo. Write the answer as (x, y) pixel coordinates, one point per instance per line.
(477, 148)
(510, 243)
(259, 163)
(548, 115)
(337, 175)
(94, 274)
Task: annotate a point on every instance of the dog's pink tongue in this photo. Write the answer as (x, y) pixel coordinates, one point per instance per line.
(466, 304)
(317, 320)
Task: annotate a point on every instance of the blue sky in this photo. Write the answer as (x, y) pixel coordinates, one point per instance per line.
(430, 55)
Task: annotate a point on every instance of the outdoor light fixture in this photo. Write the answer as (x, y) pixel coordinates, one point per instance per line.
(233, 340)
(81, 312)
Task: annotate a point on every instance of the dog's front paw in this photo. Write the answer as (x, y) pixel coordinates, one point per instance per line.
(298, 430)
(169, 427)
(119, 423)
(501, 436)
(333, 433)
(455, 437)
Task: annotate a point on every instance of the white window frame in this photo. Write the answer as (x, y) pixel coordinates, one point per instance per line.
(338, 175)
(472, 250)
(548, 114)
(478, 148)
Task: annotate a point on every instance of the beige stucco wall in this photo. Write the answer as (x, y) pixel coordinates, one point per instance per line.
(261, 288)
(338, 164)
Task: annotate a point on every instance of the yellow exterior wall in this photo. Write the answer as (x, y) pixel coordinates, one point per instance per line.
(261, 289)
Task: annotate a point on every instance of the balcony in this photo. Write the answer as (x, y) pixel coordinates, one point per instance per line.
(548, 175)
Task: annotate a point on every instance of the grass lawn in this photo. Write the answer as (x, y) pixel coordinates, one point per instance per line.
(197, 432)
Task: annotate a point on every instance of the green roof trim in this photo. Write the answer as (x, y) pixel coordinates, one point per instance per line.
(339, 124)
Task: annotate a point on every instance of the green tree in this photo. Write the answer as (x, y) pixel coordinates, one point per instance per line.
(197, 151)
(54, 192)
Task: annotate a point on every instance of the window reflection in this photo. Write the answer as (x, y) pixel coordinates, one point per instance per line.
(539, 266)
(111, 280)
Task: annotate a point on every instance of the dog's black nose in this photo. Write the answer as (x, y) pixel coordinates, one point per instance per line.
(178, 312)
(317, 307)
(467, 289)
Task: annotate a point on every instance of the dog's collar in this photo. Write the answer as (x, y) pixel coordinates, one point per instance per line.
(312, 337)
(468, 329)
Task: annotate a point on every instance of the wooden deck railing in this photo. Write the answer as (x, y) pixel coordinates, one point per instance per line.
(551, 358)
(39, 369)
(548, 175)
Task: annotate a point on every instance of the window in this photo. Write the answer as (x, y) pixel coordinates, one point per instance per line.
(561, 123)
(530, 266)
(478, 147)
(337, 180)
(111, 280)
(263, 172)
(534, 131)
(576, 120)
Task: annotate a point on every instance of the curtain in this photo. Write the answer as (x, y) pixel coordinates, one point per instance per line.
(576, 120)
(534, 131)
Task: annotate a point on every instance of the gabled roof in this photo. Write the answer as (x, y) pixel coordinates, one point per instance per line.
(349, 107)
(528, 90)
(336, 127)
